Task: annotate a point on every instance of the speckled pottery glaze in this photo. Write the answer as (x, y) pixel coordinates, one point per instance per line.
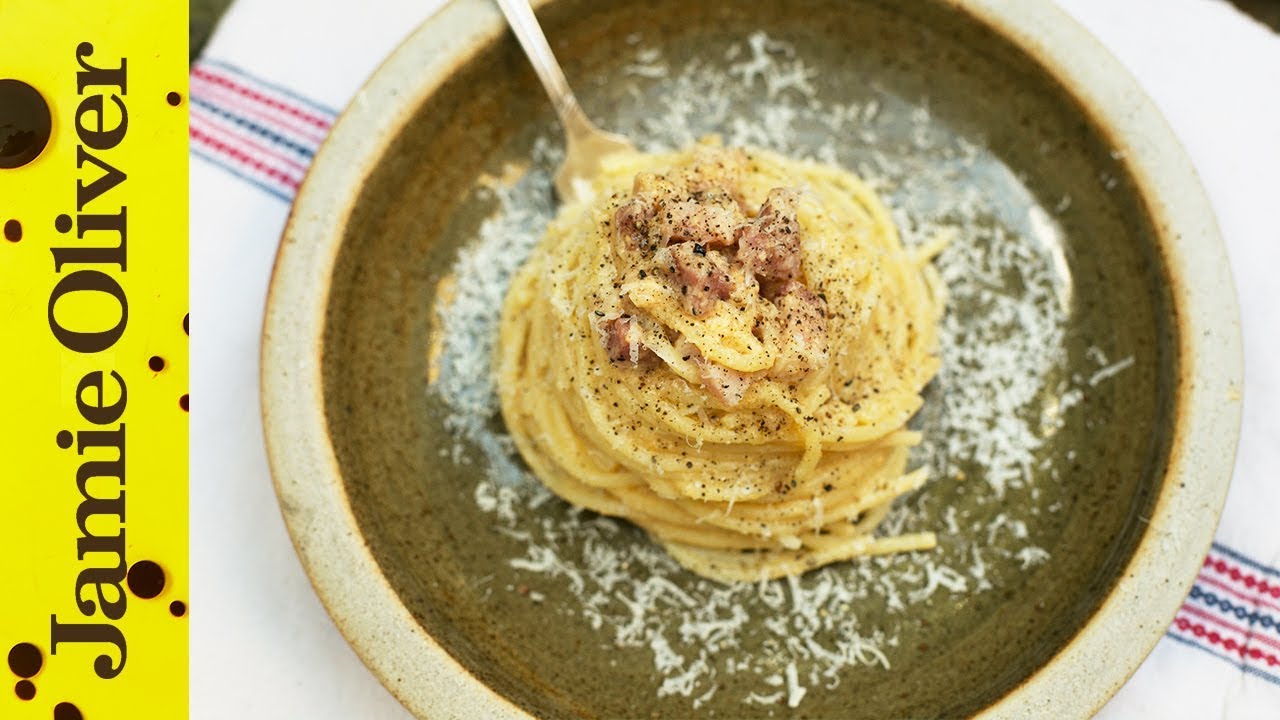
(390, 533)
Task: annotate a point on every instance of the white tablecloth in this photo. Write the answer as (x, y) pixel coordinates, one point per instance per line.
(262, 97)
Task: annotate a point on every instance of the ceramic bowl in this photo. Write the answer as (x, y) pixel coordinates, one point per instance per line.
(1072, 520)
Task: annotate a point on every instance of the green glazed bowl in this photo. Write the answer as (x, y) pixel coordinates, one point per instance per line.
(1081, 433)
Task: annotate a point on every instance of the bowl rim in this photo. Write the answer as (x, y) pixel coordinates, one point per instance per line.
(429, 682)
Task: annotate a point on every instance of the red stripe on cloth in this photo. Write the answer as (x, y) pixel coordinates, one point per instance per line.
(245, 159)
(1248, 633)
(278, 120)
(1207, 580)
(1246, 652)
(230, 137)
(309, 118)
(1252, 582)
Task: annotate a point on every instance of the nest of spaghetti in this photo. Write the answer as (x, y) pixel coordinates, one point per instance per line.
(724, 347)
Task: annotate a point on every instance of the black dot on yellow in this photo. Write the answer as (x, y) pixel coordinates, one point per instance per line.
(146, 579)
(25, 123)
(177, 608)
(25, 689)
(185, 403)
(62, 223)
(66, 711)
(173, 99)
(156, 363)
(12, 230)
(25, 660)
(185, 323)
(64, 439)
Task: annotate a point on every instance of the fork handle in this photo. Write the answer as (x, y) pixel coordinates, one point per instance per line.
(527, 30)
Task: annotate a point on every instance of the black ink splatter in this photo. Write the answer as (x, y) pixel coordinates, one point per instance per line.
(146, 579)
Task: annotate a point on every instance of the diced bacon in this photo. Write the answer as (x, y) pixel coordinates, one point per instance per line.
(769, 247)
(699, 221)
(692, 233)
(699, 274)
(802, 333)
(631, 225)
(621, 336)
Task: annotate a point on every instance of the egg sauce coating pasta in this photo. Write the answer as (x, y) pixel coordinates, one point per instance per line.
(724, 346)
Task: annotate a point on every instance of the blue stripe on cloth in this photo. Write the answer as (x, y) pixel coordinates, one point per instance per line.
(270, 86)
(275, 137)
(267, 187)
(1245, 560)
(1273, 679)
(1214, 602)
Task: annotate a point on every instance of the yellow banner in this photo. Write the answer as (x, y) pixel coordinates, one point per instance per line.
(93, 359)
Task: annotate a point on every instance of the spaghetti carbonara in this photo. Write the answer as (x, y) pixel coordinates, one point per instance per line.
(724, 347)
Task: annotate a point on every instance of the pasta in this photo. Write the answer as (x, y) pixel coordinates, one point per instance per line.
(724, 347)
